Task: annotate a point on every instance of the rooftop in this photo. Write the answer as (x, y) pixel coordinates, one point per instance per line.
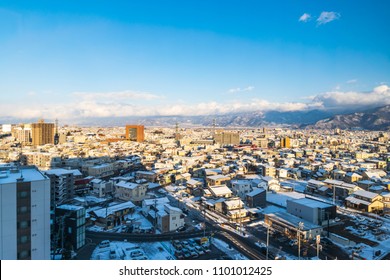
(364, 193)
(312, 203)
(127, 185)
(70, 207)
(62, 171)
(28, 173)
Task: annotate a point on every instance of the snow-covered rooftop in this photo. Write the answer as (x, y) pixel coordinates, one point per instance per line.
(62, 171)
(127, 185)
(28, 174)
(70, 207)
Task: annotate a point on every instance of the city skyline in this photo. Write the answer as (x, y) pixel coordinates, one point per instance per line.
(72, 61)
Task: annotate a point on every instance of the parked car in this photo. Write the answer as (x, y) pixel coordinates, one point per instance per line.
(361, 232)
(363, 227)
(360, 218)
(186, 253)
(182, 228)
(104, 244)
(378, 224)
(199, 250)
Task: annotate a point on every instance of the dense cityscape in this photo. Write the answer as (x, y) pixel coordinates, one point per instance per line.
(194, 139)
(167, 193)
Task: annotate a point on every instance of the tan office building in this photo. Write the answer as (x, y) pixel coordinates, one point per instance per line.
(227, 138)
(42, 133)
(135, 133)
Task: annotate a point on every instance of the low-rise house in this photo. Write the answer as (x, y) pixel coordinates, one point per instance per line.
(112, 215)
(101, 188)
(220, 191)
(169, 219)
(153, 203)
(338, 174)
(217, 180)
(365, 201)
(150, 176)
(374, 174)
(256, 198)
(386, 203)
(313, 186)
(194, 187)
(269, 184)
(129, 191)
(241, 188)
(234, 210)
(352, 177)
(101, 170)
(340, 189)
(365, 184)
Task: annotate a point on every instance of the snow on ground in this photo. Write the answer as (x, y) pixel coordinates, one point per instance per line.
(127, 250)
(231, 252)
(139, 221)
(363, 250)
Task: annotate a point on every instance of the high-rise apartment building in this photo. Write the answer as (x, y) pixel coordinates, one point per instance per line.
(24, 214)
(62, 187)
(285, 142)
(22, 133)
(135, 133)
(42, 133)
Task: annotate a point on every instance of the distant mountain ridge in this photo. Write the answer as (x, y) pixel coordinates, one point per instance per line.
(369, 119)
(372, 119)
(240, 119)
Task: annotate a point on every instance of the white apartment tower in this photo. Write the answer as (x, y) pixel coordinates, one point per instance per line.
(24, 214)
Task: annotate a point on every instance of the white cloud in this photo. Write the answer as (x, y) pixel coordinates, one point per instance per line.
(352, 81)
(87, 107)
(326, 17)
(235, 90)
(305, 17)
(337, 99)
(116, 95)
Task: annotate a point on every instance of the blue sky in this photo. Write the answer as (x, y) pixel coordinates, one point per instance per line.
(78, 59)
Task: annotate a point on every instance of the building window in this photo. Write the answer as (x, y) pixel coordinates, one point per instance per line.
(24, 239)
(22, 209)
(24, 254)
(23, 194)
(23, 224)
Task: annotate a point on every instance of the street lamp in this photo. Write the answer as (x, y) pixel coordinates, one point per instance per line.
(300, 228)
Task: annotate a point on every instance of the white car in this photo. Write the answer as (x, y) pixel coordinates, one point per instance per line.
(104, 244)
